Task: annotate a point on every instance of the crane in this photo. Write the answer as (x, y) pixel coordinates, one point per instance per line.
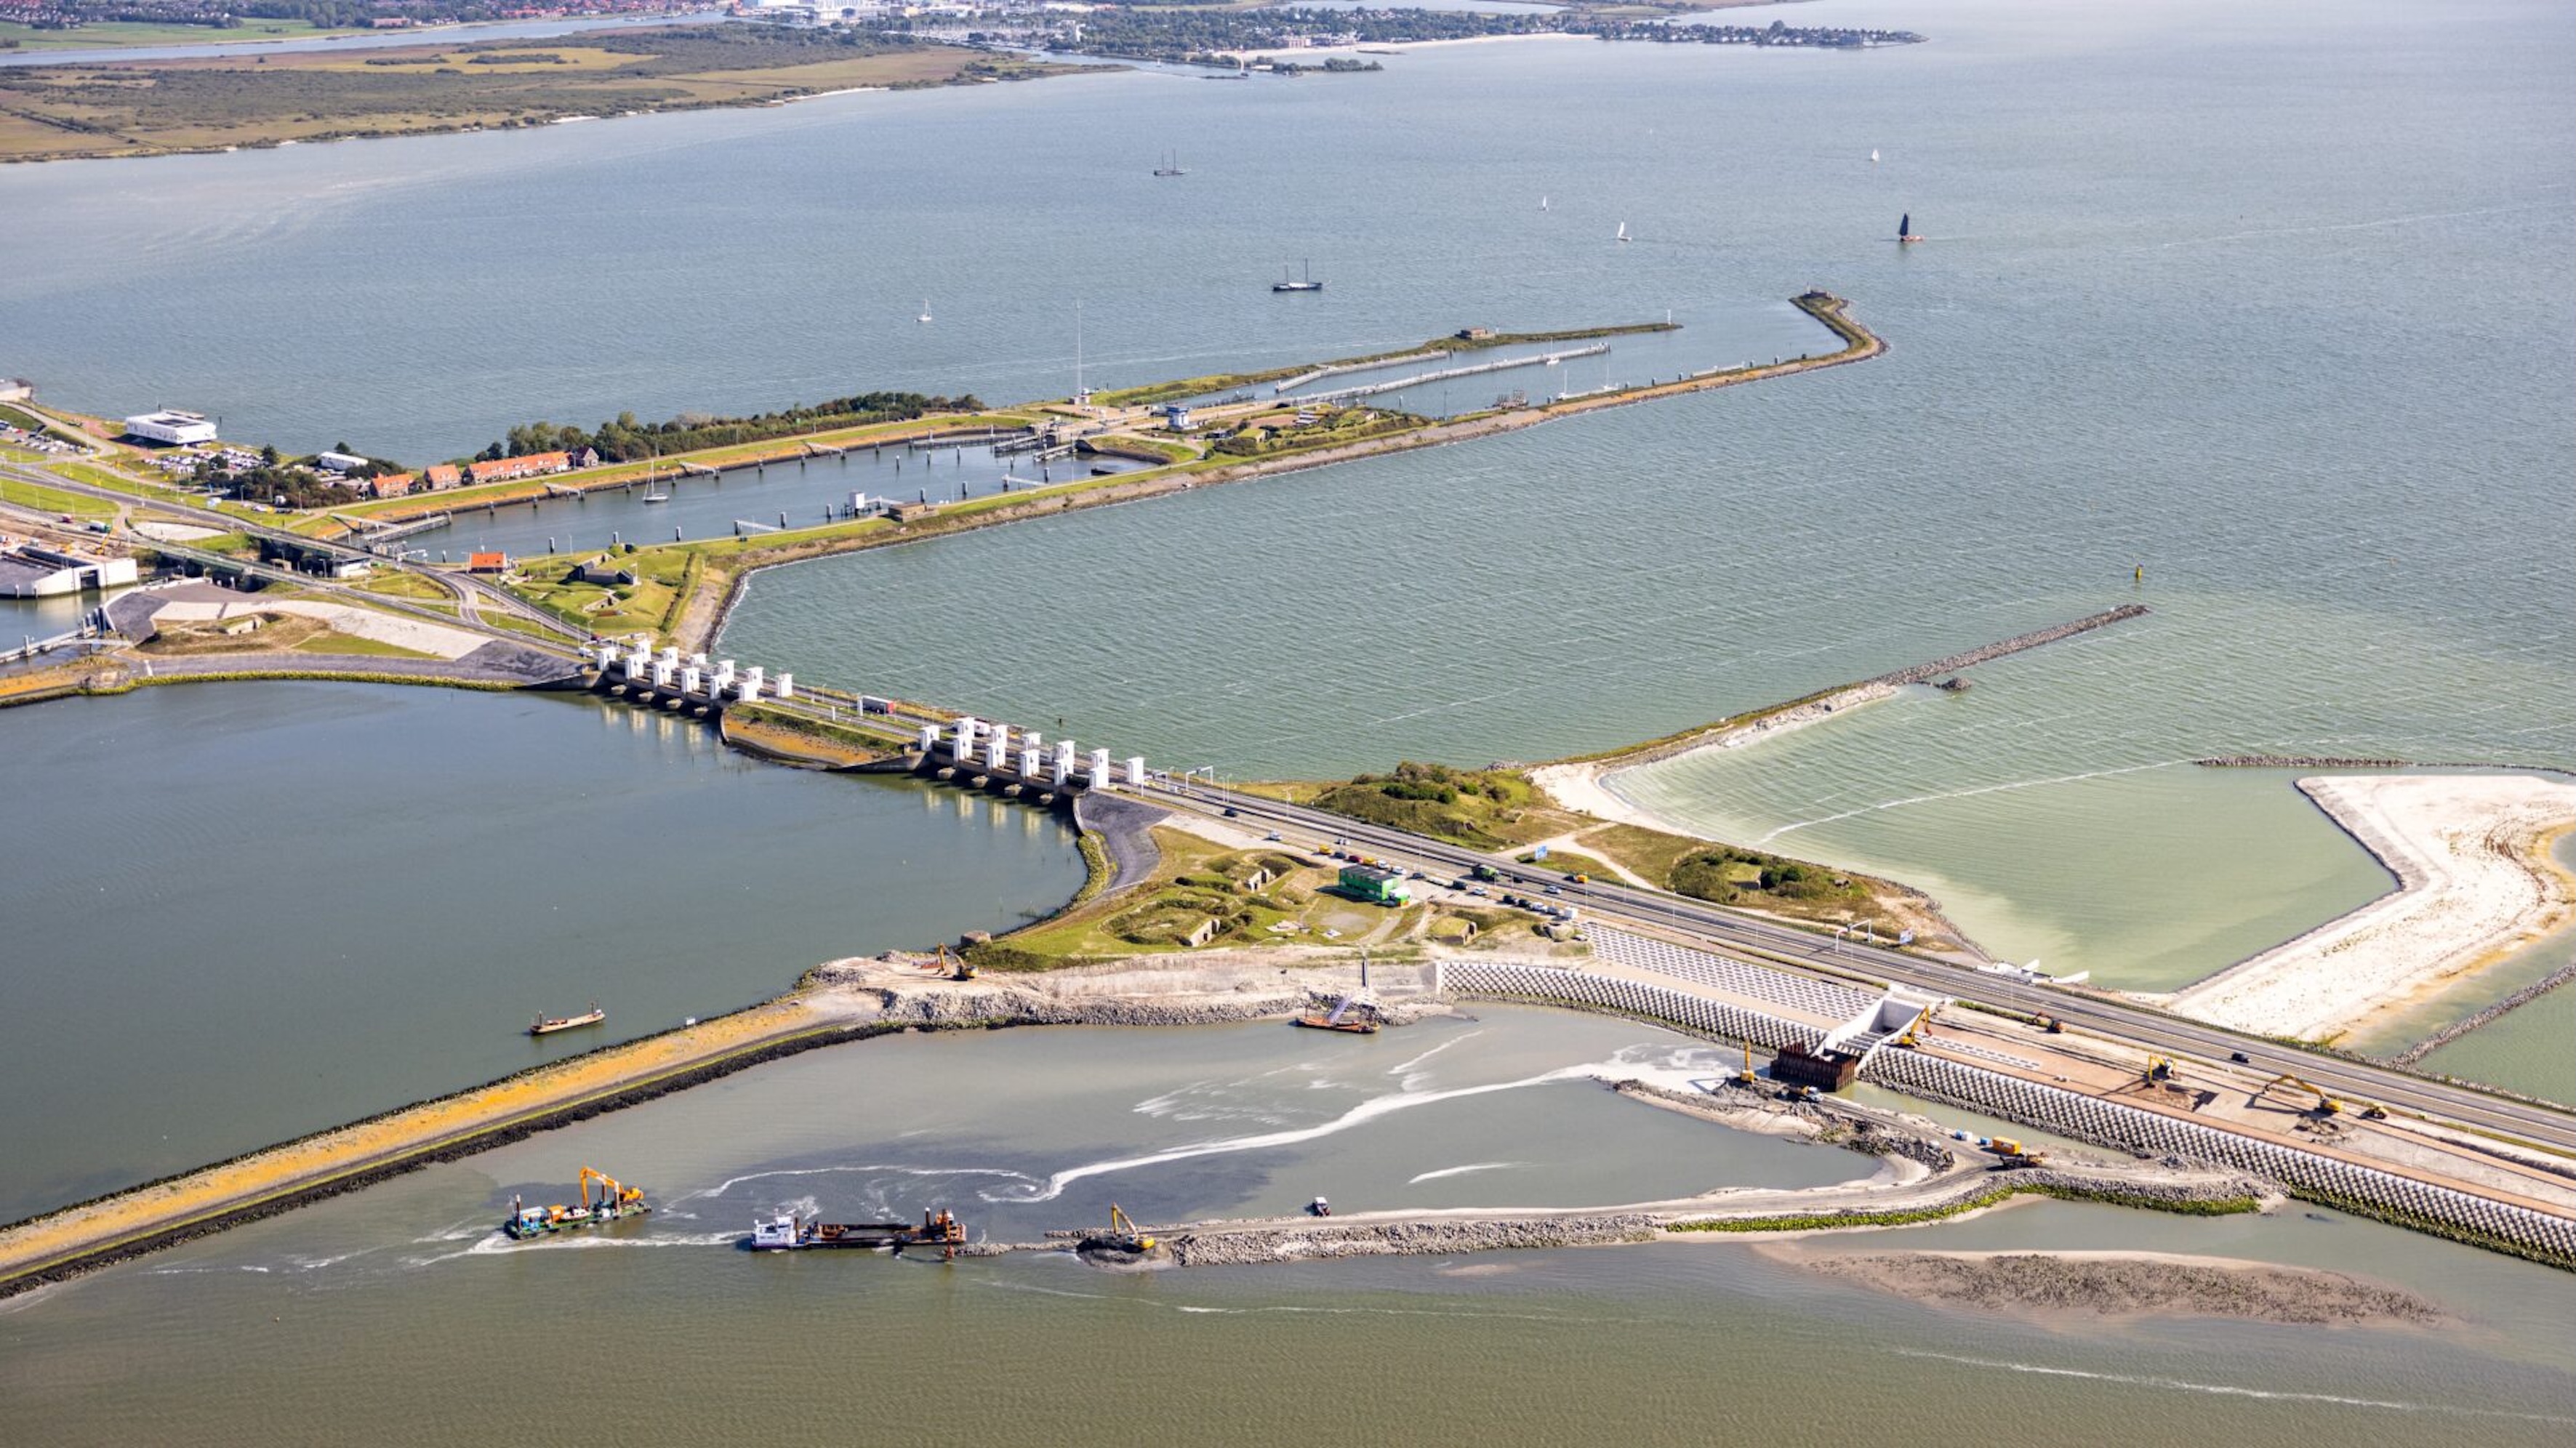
(614, 1195)
(1745, 1076)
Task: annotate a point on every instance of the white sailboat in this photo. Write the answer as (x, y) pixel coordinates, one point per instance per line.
(924, 318)
(1542, 203)
(1623, 232)
(1873, 155)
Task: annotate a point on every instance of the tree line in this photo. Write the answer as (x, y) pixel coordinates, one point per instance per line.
(623, 439)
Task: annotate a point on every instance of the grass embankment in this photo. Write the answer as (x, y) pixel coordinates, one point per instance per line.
(53, 500)
(1498, 810)
(135, 108)
(1913, 1216)
(796, 739)
(1206, 894)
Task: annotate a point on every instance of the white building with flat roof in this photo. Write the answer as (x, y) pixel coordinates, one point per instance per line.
(179, 429)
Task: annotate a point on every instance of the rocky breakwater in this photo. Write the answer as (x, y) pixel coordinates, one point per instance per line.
(1203, 989)
(1325, 1241)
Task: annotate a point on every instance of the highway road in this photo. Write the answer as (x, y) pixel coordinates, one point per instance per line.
(1624, 904)
(2176, 1035)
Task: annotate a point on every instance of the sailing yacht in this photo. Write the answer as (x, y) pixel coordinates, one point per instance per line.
(1873, 155)
(1542, 203)
(924, 318)
(1905, 232)
(1284, 284)
(1171, 166)
(1623, 233)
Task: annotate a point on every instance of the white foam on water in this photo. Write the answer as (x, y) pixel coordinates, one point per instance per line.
(1457, 1171)
(1402, 1067)
(2229, 1390)
(1359, 1115)
(2005, 788)
(729, 1183)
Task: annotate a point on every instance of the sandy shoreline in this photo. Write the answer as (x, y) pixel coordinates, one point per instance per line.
(2475, 884)
(1588, 785)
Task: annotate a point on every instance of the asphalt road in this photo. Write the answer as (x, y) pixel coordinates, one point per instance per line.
(1626, 904)
(2176, 1035)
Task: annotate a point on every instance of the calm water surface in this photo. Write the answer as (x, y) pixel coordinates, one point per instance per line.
(241, 912)
(381, 1307)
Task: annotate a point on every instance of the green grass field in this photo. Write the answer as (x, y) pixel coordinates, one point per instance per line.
(334, 643)
(54, 500)
(112, 34)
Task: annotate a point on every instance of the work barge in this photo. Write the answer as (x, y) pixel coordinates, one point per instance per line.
(789, 1232)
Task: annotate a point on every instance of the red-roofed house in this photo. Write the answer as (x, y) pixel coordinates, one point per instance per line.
(487, 563)
(389, 485)
(529, 465)
(443, 475)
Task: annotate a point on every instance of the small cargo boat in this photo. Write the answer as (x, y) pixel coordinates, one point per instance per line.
(788, 1232)
(616, 1201)
(548, 1025)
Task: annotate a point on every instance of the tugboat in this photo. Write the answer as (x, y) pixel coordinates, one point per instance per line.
(616, 1200)
(548, 1025)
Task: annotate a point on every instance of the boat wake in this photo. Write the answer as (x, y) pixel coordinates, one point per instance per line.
(2229, 1390)
(1359, 1115)
(1459, 1171)
(2005, 788)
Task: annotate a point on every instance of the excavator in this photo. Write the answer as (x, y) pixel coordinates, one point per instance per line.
(1745, 1077)
(616, 1199)
(2326, 1105)
(945, 969)
(1123, 1235)
(1922, 1018)
(2159, 1068)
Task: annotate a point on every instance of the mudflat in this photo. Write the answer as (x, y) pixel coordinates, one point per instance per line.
(2123, 1284)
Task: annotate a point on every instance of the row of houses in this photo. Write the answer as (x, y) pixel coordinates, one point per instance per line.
(438, 477)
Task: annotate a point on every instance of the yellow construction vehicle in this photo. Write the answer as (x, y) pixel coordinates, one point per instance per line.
(1124, 1232)
(2009, 1154)
(1745, 1077)
(2159, 1068)
(613, 1195)
(1921, 1019)
(2326, 1105)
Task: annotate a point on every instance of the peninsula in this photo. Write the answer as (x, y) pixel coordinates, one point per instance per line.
(1464, 885)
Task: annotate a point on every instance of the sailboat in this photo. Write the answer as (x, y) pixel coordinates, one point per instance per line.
(924, 318)
(1873, 155)
(651, 496)
(1171, 166)
(1308, 285)
(1623, 233)
(1542, 203)
(1905, 229)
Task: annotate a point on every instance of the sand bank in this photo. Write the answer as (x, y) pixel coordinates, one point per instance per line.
(2122, 1284)
(2474, 884)
(1588, 784)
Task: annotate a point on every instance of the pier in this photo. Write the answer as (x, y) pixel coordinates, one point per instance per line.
(1500, 364)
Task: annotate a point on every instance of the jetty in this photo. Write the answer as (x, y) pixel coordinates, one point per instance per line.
(1478, 369)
